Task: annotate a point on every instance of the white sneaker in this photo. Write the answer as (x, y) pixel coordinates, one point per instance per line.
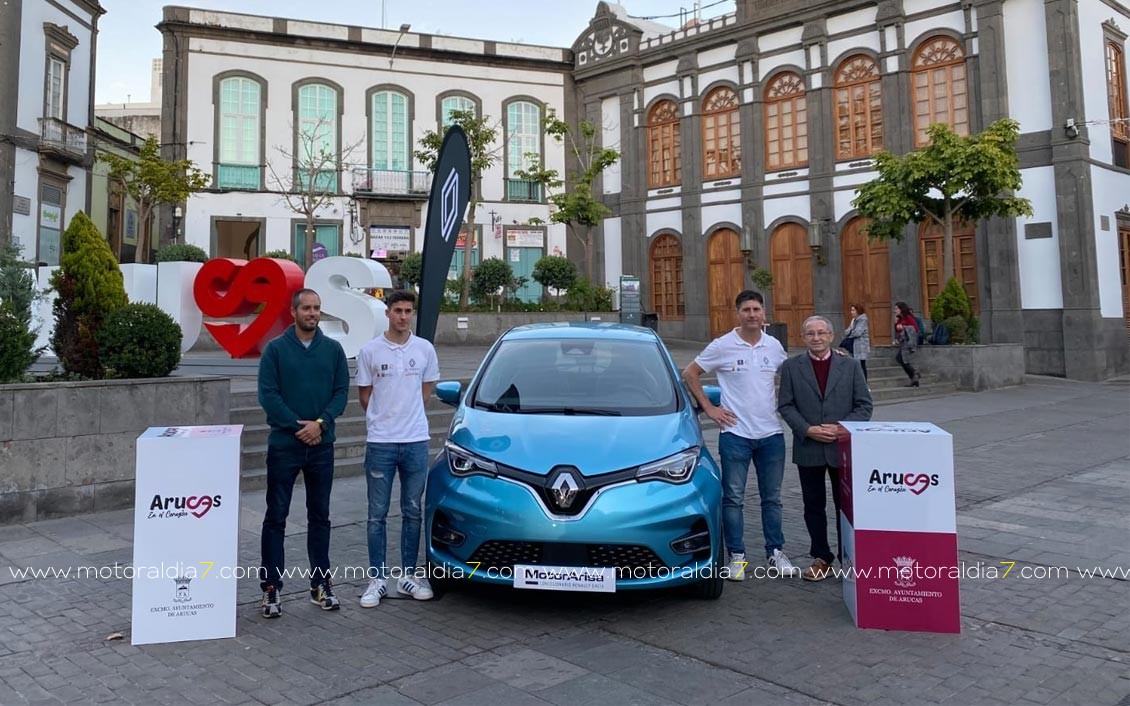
(419, 589)
(737, 567)
(781, 562)
(374, 593)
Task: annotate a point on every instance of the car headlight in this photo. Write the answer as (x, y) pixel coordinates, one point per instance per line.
(673, 469)
(464, 463)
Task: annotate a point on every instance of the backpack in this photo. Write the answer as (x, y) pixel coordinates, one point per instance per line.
(921, 329)
(940, 336)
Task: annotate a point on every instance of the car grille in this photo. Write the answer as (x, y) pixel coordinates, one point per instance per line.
(496, 554)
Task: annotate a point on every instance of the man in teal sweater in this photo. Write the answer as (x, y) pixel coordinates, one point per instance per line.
(303, 386)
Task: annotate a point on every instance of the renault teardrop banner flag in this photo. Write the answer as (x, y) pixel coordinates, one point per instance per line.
(451, 192)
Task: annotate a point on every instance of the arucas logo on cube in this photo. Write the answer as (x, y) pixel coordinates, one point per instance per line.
(898, 525)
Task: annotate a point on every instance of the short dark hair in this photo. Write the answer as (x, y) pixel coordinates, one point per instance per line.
(400, 295)
(748, 295)
(298, 296)
(859, 308)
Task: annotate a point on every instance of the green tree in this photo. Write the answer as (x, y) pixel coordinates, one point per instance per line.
(555, 271)
(17, 347)
(411, 267)
(573, 199)
(481, 134)
(490, 277)
(90, 287)
(153, 181)
(17, 284)
(952, 179)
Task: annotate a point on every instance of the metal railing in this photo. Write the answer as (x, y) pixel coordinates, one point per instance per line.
(60, 135)
(238, 176)
(523, 190)
(392, 182)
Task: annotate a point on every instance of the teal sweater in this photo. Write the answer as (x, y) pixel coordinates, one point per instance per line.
(296, 382)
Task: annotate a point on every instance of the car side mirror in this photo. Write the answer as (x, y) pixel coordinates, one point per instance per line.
(449, 392)
(713, 393)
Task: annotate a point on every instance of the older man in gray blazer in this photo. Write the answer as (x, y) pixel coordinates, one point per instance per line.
(818, 390)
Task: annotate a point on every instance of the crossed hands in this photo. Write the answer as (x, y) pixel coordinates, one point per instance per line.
(824, 433)
(310, 433)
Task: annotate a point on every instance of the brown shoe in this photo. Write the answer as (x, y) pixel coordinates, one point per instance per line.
(819, 571)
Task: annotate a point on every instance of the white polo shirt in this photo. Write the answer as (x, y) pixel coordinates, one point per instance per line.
(747, 376)
(396, 373)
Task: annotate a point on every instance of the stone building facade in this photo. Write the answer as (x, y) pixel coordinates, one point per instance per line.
(744, 138)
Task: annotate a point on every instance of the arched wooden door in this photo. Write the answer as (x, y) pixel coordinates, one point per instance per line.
(867, 279)
(930, 239)
(791, 265)
(725, 277)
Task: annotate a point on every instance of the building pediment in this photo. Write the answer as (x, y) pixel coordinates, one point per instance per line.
(611, 33)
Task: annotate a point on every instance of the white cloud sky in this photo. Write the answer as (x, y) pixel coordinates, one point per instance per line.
(128, 40)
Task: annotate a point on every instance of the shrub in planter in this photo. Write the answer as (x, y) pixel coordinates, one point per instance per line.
(556, 272)
(953, 302)
(958, 329)
(139, 341)
(181, 252)
(280, 255)
(583, 296)
(492, 275)
(411, 269)
(17, 283)
(90, 287)
(17, 346)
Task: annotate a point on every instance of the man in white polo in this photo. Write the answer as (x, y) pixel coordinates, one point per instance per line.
(747, 361)
(396, 375)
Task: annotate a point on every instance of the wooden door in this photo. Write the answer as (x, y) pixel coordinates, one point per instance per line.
(791, 265)
(1124, 269)
(930, 239)
(725, 279)
(867, 279)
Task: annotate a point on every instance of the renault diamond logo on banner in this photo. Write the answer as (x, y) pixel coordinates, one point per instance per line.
(451, 192)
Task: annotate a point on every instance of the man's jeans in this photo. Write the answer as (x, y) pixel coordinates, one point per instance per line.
(768, 457)
(381, 464)
(316, 463)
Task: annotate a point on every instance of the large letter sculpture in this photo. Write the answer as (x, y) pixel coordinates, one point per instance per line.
(228, 287)
(451, 191)
(361, 317)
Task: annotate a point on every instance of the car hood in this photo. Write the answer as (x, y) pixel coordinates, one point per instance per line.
(594, 445)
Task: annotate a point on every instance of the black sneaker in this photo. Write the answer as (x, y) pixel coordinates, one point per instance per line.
(271, 606)
(323, 595)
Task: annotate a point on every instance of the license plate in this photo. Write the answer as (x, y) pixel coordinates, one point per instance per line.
(565, 578)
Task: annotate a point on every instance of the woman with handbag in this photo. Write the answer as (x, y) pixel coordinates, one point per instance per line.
(857, 336)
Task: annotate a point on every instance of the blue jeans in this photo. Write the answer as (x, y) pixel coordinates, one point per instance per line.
(316, 463)
(768, 457)
(381, 464)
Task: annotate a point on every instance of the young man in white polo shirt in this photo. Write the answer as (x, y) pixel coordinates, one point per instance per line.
(396, 375)
(747, 361)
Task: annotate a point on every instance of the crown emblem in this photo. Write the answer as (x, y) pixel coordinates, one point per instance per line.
(904, 575)
(182, 595)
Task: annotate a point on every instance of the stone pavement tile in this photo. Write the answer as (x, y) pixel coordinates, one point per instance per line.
(442, 683)
(525, 669)
(494, 695)
(384, 695)
(596, 689)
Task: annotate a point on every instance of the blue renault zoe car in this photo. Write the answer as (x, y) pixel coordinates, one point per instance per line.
(575, 462)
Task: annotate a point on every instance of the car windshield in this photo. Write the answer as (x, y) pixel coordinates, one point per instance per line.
(587, 376)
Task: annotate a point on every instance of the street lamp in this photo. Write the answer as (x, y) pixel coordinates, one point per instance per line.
(403, 28)
(177, 214)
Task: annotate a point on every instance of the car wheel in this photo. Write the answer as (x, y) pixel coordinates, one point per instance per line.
(441, 583)
(710, 589)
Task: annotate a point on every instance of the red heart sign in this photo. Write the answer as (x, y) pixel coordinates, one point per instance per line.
(917, 484)
(229, 287)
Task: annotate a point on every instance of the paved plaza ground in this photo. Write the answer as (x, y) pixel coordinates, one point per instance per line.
(1043, 480)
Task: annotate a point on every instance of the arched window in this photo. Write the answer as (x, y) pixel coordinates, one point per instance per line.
(786, 123)
(240, 123)
(664, 161)
(859, 108)
(316, 126)
(941, 92)
(390, 130)
(666, 258)
(523, 149)
(1116, 99)
(721, 135)
(453, 103)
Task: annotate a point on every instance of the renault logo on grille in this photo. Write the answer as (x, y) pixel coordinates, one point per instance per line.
(564, 490)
